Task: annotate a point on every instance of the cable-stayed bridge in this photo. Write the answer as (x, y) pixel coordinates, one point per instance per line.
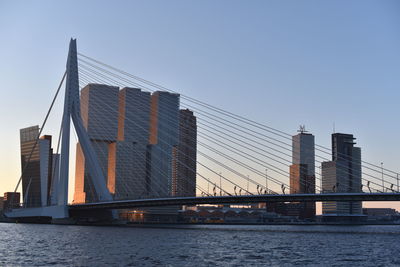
(140, 150)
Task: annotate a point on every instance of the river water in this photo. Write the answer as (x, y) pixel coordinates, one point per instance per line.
(200, 245)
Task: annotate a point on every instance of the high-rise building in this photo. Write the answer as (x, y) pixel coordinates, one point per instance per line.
(99, 111)
(133, 135)
(303, 150)
(184, 156)
(127, 156)
(342, 175)
(302, 170)
(134, 115)
(164, 136)
(36, 167)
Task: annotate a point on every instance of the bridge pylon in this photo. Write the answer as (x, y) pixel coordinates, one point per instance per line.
(71, 112)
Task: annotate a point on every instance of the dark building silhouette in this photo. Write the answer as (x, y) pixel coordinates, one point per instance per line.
(11, 200)
(36, 167)
(342, 175)
(184, 156)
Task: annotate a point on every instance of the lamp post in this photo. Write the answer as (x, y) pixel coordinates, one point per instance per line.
(383, 182)
(220, 184)
(248, 183)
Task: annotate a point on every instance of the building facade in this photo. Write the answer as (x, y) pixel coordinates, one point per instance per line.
(163, 138)
(11, 200)
(133, 134)
(184, 156)
(99, 111)
(36, 167)
(127, 156)
(342, 175)
(302, 171)
(303, 151)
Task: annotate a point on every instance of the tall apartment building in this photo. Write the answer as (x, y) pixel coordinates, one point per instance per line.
(99, 111)
(36, 168)
(302, 170)
(184, 156)
(164, 136)
(342, 175)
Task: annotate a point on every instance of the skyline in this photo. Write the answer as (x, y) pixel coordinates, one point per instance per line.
(373, 148)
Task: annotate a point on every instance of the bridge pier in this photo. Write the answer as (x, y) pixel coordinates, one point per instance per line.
(39, 214)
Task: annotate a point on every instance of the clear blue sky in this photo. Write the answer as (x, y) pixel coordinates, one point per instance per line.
(282, 63)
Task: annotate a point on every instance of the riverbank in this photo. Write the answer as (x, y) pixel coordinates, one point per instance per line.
(161, 224)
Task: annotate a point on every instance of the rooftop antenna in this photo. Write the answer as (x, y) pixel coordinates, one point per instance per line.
(333, 127)
(302, 129)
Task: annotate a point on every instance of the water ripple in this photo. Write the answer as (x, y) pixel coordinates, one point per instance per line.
(57, 245)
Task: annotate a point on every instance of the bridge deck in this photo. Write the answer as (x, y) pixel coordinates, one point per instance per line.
(126, 204)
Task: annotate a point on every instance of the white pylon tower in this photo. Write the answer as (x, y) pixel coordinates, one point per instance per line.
(72, 111)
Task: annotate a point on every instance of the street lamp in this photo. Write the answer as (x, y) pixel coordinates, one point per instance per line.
(248, 183)
(383, 182)
(220, 184)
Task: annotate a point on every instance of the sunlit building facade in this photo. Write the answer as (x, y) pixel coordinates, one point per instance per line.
(133, 134)
(127, 156)
(302, 171)
(99, 111)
